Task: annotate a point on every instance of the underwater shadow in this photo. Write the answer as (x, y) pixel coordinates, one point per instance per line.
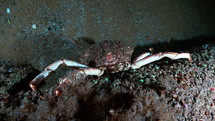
(94, 109)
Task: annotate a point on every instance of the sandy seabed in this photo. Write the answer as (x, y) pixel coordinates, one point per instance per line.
(166, 90)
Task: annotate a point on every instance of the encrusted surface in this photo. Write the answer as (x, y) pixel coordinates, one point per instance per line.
(106, 53)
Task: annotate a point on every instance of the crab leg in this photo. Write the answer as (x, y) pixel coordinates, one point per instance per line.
(148, 59)
(142, 56)
(51, 68)
(81, 73)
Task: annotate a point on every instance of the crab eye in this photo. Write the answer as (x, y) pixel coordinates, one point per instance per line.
(127, 66)
(120, 66)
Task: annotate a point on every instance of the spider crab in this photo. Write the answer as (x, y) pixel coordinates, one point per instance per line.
(106, 56)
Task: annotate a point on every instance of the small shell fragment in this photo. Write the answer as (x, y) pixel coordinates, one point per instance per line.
(8, 10)
(34, 26)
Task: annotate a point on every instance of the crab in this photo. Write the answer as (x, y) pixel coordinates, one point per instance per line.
(106, 56)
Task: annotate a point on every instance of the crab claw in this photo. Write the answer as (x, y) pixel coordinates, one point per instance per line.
(77, 75)
(57, 92)
(63, 82)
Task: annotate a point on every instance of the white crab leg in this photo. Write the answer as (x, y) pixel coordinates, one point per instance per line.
(155, 57)
(175, 56)
(93, 71)
(65, 62)
(142, 56)
(37, 80)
